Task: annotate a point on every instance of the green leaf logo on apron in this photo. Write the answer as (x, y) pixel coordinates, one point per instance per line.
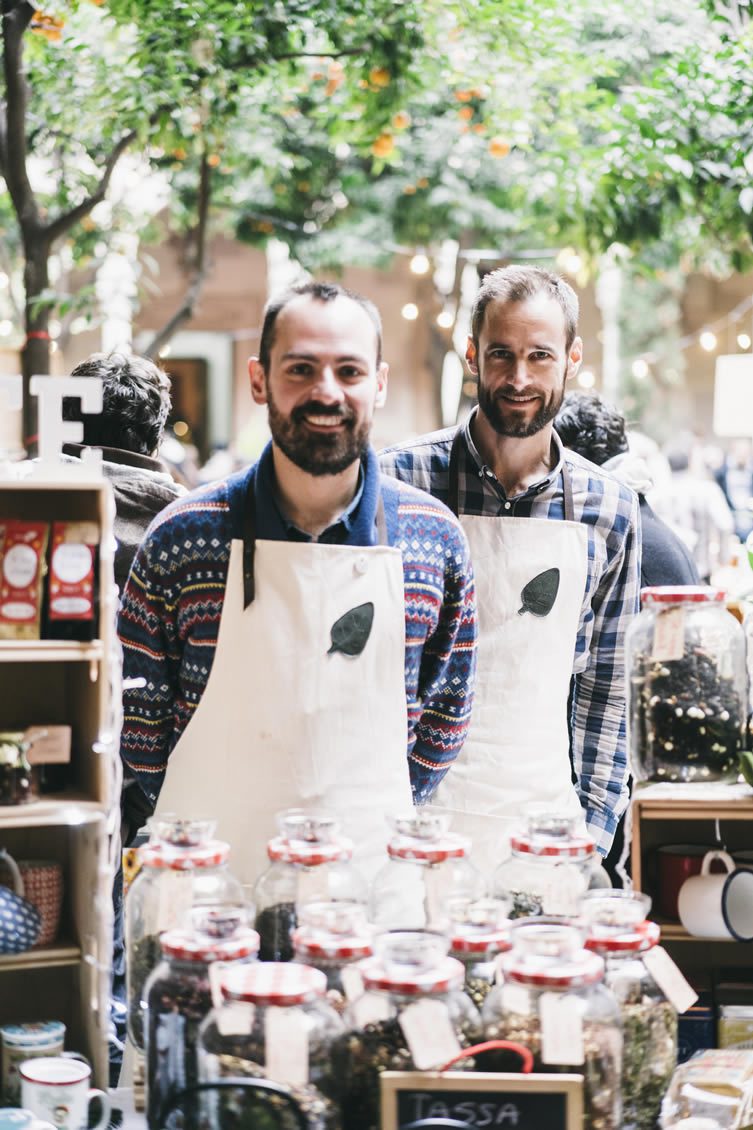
(351, 631)
(539, 595)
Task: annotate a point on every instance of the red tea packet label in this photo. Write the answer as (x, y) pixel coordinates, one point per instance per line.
(23, 547)
(71, 581)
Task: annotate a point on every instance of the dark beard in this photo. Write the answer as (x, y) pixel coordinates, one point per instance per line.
(492, 408)
(318, 453)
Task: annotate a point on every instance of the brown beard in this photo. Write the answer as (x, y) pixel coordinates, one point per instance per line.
(318, 453)
(490, 406)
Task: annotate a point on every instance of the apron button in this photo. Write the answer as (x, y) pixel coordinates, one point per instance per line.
(362, 564)
(508, 505)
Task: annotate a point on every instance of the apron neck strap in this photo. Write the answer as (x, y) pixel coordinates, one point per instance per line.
(453, 498)
(249, 539)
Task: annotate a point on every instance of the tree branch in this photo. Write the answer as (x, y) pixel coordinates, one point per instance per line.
(201, 265)
(16, 19)
(58, 227)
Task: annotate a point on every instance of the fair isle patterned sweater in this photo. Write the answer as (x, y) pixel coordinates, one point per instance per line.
(172, 604)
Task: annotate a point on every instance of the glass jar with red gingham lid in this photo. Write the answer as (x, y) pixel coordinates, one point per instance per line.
(427, 865)
(182, 866)
(553, 1001)
(178, 996)
(687, 686)
(274, 1023)
(551, 866)
(310, 861)
(479, 933)
(333, 937)
(617, 929)
(413, 1015)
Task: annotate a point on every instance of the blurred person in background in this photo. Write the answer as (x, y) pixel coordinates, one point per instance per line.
(735, 477)
(129, 431)
(697, 510)
(594, 429)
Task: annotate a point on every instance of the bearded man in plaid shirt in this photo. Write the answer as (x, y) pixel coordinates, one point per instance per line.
(556, 552)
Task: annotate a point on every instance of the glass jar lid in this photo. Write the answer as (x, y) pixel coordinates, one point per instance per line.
(219, 920)
(309, 942)
(479, 925)
(181, 831)
(309, 854)
(411, 951)
(641, 938)
(678, 594)
(618, 911)
(550, 954)
(447, 974)
(40, 1032)
(550, 835)
(423, 835)
(311, 825)
(174, 858)
(273, 983)
(334, 916)
(190, 945)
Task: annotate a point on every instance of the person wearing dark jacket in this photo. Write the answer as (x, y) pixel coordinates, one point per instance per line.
(594, 429)
(129, 430)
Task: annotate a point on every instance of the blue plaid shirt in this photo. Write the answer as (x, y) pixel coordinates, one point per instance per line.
(610, 511)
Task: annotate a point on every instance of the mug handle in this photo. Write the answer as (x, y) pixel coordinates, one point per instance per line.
(18, 882)
(725, 858)
(104, 1119)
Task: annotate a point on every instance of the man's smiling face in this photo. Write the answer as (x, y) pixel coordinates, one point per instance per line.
(522, 363)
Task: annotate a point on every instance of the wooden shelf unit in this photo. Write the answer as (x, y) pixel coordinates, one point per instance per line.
(57, 682)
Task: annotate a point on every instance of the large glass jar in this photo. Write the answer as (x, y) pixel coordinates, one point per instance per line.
(687, 690)
(309, 861)
(551, 867)
(178, 996)
(479, 932)
(181, 867)
(274, 1023)
(554, 1002)
(427, 866)
(618, 931)
(333, 937)
(410, 971)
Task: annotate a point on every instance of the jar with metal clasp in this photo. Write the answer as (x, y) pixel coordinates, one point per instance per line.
(427, 866)
(310, 861)
(334, 937)
(182, 867)
(687, 686)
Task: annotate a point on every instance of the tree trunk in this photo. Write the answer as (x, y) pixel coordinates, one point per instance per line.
(35, 354)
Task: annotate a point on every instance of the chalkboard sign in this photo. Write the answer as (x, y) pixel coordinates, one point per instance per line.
(482, 1099)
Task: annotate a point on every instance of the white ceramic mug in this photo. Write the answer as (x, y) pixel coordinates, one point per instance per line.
(718, 905)
(58, 1089)
(19, 1042)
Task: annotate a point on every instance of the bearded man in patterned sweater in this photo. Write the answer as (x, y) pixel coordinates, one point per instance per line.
(305, 628)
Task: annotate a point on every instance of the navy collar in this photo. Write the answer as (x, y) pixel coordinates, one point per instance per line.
(358, 520)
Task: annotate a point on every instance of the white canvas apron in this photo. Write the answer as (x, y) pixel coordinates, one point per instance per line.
(282, 721)
(517, 750)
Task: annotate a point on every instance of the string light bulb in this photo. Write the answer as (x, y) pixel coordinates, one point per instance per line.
(707, 341)
(586, 379)
(445, 319)
(410, 311)
(419, 264)
(639, 369)
(743, 340)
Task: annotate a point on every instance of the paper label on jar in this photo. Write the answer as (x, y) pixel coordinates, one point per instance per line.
(516, 998)
(313, 884)
(286, 1046)
(216, 969)
(669, 634)
(175, 900)
(561, 1030)
(371, 1008)
(670, 980)
(429, 1033)
(499, 973)
(562, 890)
(235, 1018)
(352, 982)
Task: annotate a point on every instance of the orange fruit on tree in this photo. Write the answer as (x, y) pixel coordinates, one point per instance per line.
(401, 120)
(463, 95)
(379, 76)
(213, 160)
(499, 147)
(384, 146)
(466, 113)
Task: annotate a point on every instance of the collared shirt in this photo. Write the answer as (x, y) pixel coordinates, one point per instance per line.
(610, 512)
(270, 514)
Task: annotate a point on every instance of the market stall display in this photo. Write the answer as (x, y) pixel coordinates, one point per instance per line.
(427, 866)
(553, 863)
(687, 692)
(182, 867)
(309, 861)
(275, 1023)
(554, 1002)
(413, 1014)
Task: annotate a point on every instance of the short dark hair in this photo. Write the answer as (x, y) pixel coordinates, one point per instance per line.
(320, 292)
(135, 403)
(517, 284)
(588, 425)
